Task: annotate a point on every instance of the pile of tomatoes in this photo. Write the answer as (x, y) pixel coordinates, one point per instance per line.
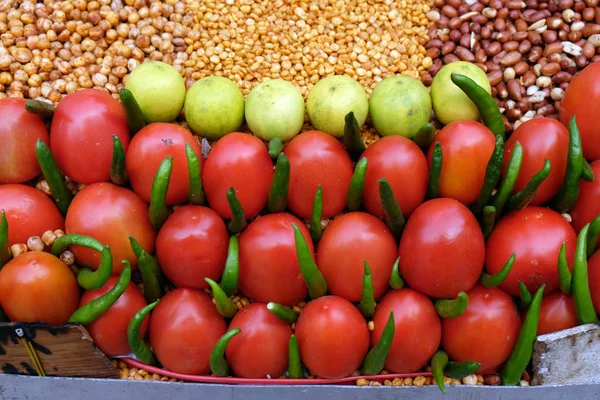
(440, 252)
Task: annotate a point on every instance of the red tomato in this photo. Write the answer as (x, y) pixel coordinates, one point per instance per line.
(19, 132)
(587, 206)
(417, 331)
(192, 245)
(466, 149)
(346, 242)
(81, 135)
(594, 279)
(490, 320)
(542, 139)
(317, 158)
(29, 212)
(535, 235)
(400, 161)
(149, 147)
(268, 263)
(109, 331)
(442, 249)
(557, 313)
(38, 287)
(241, 161)
(184, 328)
(584, 91)
(332, 336)
(261, 349)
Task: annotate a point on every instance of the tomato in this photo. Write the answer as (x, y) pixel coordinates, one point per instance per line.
(417, 330)
(317, 158)
(557, 313)
(535, 235)
(184, 328)
(347, 241)
(241, 161)
(81, 134)
(38, 287)
(594, 279)
(110, 214)
(584, 91)
(261, 349)
(192, 245)
(332, 336)
(19, 132)
(542, 139)
(466, 150)
(268, 264)
(109, 331)
(149, 147)
(587, 206)
(442, 249)
(29, 212)
(486, 332)
(402, 163)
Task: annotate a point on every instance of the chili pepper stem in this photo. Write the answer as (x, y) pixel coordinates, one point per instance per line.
(275, 147)
(5, 253)
(393, 213)
(317, 286)
(433, 190)
(438, 364)
(278, 193)
(496, 280)
(41, 108)
(523, 197)
(367, 301)
(230, 277)
(138, 347)
(425, 135)
(352, 138)
(295, 368)
(54, 177)
(195, 191)
(396, 281)
(218, 364)
(569, 190)
(593, 234)
(238, 220)
(492, 176)
(315, 220)
(118, 175)
(158, 211)
(564, 274)
(580, 283)
(135, 116)
(376, 357)
(357, 186)
(286, 314)
(452, 308)
(225, 306)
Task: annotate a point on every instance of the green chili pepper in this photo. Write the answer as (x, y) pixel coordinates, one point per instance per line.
(286, 314)
(433, 183)
(41, 108)
(71, 239)
(118, 175)
(295, 369)
(230, 277)
(495, 280)
(524, 295)
(136, 343)
(55, 178)
(492, 176)
(485, 103)
(523, 350)
(488, 220)
(376, 357)
(523, 197)
(218, 365)
(3, 316)
(564, 274)
(152, 288)
(5, 253)
(152, 261)
(593, 234)
(452, 308)
(158, 211)
(510, 179)
(588, 172)
(580, 286)
(225, 306)
(315, 219)
(357, 186)
(280, 185)
(393, 213)
(569, 190)
(238, 219)
(352, 139)
(91, 311)
(425, 135)
(439, 361)
(460, 370)
(396, 281)
(195, 192)
(317, 286)
(275, 147)
(135, 116)
(367, 301)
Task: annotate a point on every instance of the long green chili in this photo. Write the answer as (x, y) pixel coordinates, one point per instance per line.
(5, 253)
(564, 274)
(352, 139)
(439, 361)
(152, 287)
(593, 234)
(452, 308)
(433, 183)
(392, 211)
(367, 301)
(238, 219)
(396, 281)
(295, 369)
(495, 280)
(588, 172)
(357, 185)
(425, 136)
(139, 348)
(524, 295)
(135, 116)
(158, 211)
(580, 284)
(275, 147)
(195, 191)
(225, 306)
(217, 362)
(376, 357)
(286, 314)
(231, 273)
(41, 108)
(460, 370)
(317, 286)
(54, 177)
(280, 186)
(569, 190)
(118, 175)
(317, 212)
(492, 176)
(510, 179)
(488, 220)
(523, 197)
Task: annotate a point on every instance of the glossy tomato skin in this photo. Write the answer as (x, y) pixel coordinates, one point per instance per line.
(29, 212)
(149, 147)
(417, 331)
(402, 163)
(317, 158)
(192, 245)
(557, 313)
(346, 242)
(81, 134)
(587, 206)
(490, 320)
(184, 328)
(109, 331)
(37, 286)
(594, 279)
(466, 149)
(261, 348)
(582, 92)
(19, 133)
(268, 263)
(241, 161)
(535, 235)
(442, 249)
(332, 336)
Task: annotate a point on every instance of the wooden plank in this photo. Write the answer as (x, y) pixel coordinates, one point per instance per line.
(66, 350)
